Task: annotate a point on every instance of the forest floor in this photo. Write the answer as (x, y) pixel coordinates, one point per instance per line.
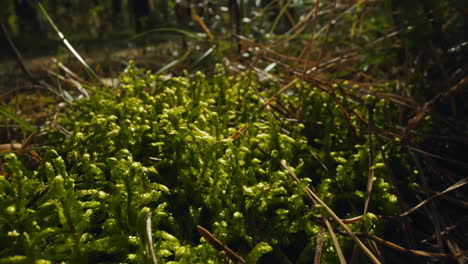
(106, 60)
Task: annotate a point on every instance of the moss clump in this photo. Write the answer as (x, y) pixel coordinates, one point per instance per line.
(189, 151)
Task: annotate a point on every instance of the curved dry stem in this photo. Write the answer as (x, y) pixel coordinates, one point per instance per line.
(348, 231)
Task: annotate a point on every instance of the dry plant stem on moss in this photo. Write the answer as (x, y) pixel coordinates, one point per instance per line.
(218, 245)
(282, 90)
(419, 253)
(204, 27)
(408, 232)
(451, 188)
(335, 241)
(345, 115)
(439, 222)
(434, 212)
(425, 153)
(319, 247)
(149, 238)
(370, 177)
(76, 80)
(429, 106)
(60, 78)
(9, 147)
(316, 199)
(71, 73)
(26, 142)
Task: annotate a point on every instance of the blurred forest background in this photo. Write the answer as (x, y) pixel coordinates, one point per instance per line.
(423, 43)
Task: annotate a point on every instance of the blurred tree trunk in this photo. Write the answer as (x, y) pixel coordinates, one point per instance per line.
(141, 11)
(235, 22)
(27, 17)
(125, 12)
(183, 17)
(164, 10)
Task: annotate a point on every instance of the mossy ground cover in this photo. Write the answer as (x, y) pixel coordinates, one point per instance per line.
(333, 132)
(137, 168)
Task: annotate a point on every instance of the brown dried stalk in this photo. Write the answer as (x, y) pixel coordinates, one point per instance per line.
(429, 106)
(315, 199)
(218, 245)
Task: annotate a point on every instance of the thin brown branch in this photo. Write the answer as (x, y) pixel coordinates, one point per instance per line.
(72, 74)
(314, 197)
(335, 241)
(203, 26)
(26, 142)
(396, 247)
(218, 245)
(451, 188)
(419, 253)
(319, 247)
(370, 177)
(429, 106)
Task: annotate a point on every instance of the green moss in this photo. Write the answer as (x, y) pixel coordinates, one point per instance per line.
(191, 151)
